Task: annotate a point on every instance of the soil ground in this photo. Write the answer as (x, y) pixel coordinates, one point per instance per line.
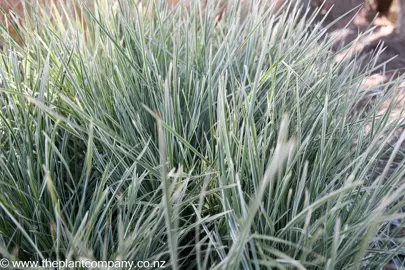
(350, 25)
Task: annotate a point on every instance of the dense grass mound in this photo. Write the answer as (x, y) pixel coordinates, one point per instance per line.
(151, 133)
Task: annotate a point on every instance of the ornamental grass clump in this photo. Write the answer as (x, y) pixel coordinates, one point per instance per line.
(151, 133)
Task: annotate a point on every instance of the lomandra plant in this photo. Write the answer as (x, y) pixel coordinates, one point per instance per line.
(151, 133)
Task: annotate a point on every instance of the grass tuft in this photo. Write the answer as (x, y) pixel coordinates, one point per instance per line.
(152, 133)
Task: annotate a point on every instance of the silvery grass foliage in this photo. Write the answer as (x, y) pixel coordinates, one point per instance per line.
(155, 133)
